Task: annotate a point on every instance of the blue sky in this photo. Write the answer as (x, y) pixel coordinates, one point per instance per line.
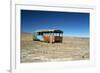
(71, 23)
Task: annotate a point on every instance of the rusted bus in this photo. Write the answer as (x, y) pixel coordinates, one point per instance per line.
(52, 36)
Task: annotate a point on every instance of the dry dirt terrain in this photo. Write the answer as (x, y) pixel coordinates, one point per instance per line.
(72, 48)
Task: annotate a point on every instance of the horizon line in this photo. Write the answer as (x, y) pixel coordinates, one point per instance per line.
(64, 35)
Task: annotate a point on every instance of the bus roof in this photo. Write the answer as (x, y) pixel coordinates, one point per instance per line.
(49, 31)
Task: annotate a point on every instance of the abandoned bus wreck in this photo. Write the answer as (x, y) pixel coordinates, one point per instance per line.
(50, 36)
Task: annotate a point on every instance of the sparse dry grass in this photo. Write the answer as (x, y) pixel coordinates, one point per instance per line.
(70, 49)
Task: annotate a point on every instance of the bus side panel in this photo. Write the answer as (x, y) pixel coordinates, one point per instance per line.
(46, 38)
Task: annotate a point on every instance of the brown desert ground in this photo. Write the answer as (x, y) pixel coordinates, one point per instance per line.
(72, 48)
